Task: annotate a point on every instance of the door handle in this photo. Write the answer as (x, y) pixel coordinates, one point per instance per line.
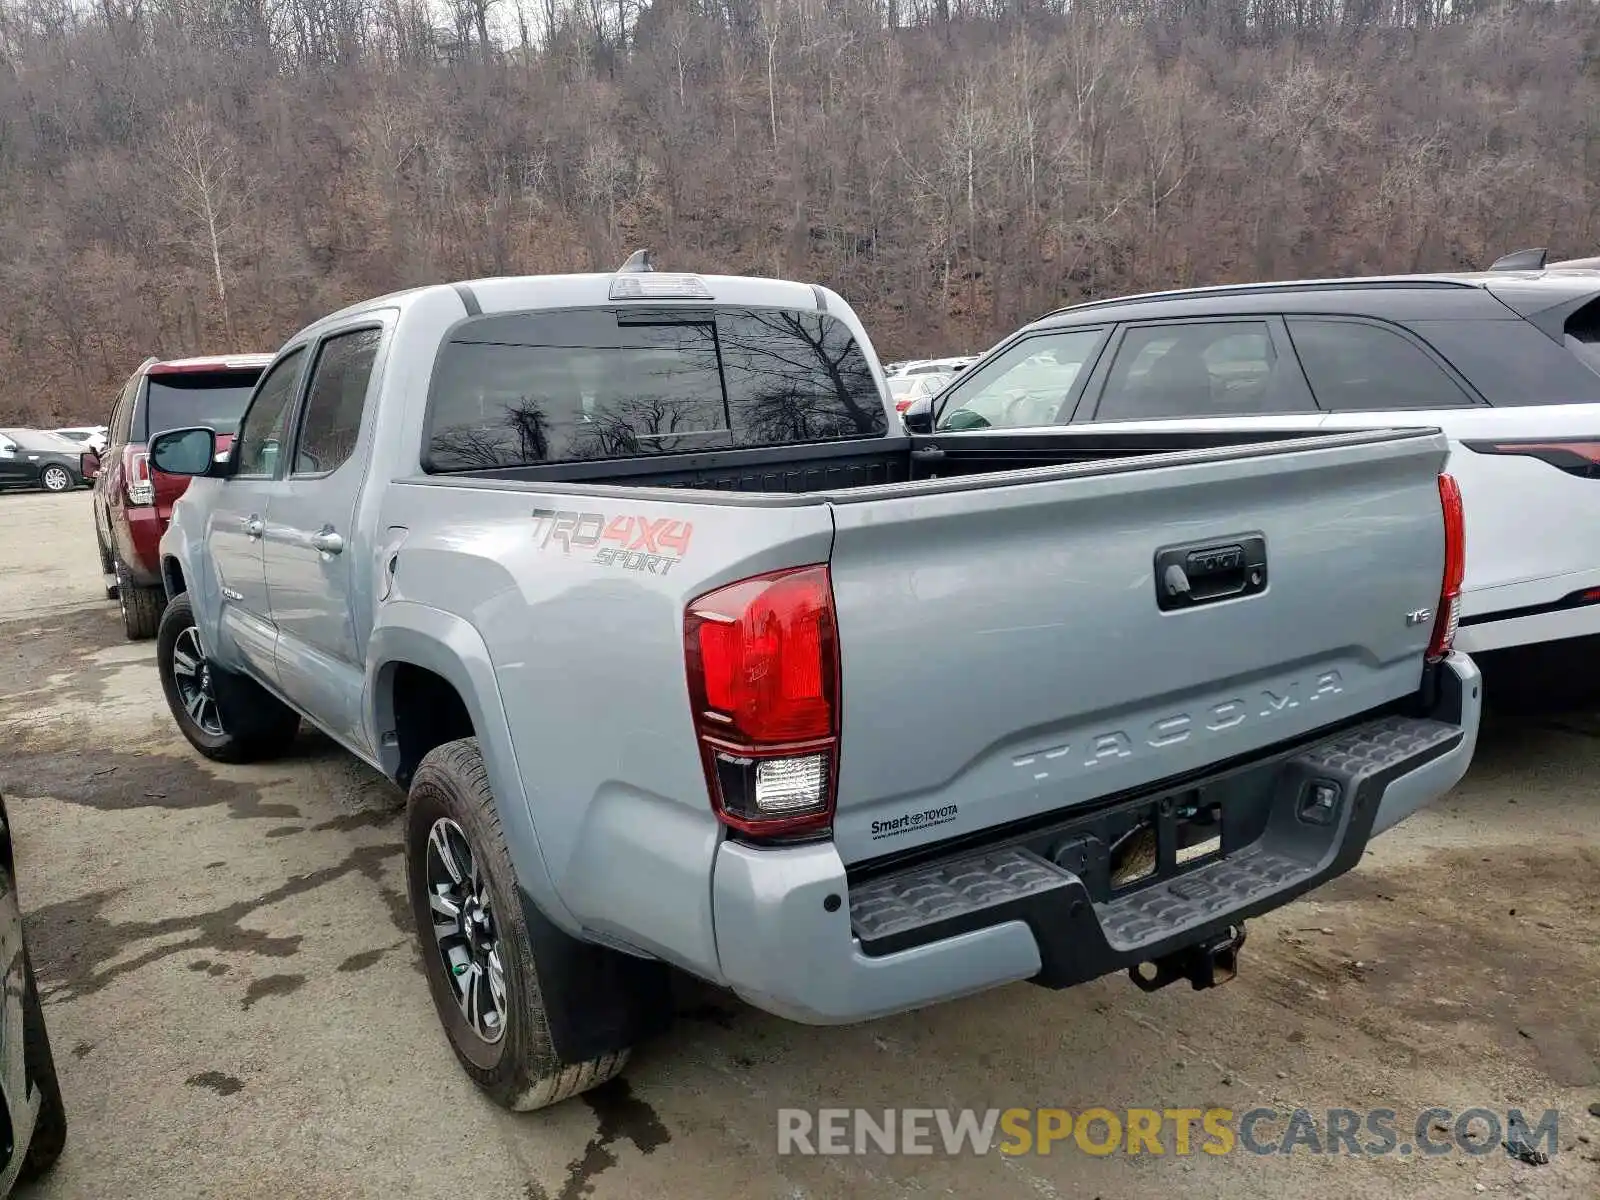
(1200, 572)
(327, 541)
(254, 526)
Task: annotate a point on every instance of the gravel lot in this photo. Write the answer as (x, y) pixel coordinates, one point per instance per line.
(235, 999)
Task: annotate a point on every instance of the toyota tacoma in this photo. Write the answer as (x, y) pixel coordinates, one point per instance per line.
(690, 658)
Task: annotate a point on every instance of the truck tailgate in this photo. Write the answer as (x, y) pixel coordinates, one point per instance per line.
(1006, 653)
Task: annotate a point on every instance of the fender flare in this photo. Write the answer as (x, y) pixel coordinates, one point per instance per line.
(438, 641)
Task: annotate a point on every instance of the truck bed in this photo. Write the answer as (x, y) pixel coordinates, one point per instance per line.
(1005, 596)
(841, 467)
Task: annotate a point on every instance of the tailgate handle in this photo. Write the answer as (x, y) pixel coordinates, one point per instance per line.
(1198, 573)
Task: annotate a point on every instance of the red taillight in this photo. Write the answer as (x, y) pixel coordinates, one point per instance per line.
(136, 481)
(764, 684)
(901, 405)
(1575, 456)
(1448, 617)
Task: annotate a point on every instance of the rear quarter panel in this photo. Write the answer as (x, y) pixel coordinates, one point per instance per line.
(1531, 528)
(586, 648)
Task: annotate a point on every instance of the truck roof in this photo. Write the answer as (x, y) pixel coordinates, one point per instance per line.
(1557, 282)
(512, 293)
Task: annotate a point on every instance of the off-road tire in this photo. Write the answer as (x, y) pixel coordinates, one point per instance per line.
(256, 725)
(521, 1071)
(50, 1130)
(141, 606)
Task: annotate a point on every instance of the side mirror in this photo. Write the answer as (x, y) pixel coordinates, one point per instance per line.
(918, 416)
(91, 465)
(8, 451)
(184, 452)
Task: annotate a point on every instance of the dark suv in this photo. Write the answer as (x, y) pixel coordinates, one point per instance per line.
(1506, 362)
(133, 502)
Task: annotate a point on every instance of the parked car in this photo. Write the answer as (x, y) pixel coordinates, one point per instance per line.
(30, 1095)
(905, 389)
(611, 572)
(1506, 362)
(32, 458)
(924, 366)
(93, 437)
(132, 502)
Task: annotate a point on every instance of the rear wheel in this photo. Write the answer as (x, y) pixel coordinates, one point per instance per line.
(488, 989)
(225, 716)
(56, 479)
(141, 606)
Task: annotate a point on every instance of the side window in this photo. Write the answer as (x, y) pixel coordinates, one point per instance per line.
(265, 425)
(1354, 366)
(335, 401)
(1510, 363)
(1201, 369)
(1026, 385)
(1582, 335)
(122, 414)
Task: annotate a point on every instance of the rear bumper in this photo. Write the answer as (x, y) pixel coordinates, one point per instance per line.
(797, 937)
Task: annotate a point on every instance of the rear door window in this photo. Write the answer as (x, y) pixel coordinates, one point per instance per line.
(1200, 369)
(579, 385)
(1359, 366)
(122, 414)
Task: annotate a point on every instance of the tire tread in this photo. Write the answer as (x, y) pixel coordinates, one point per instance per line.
(539, 1079)
(142, 609)
(259, 726)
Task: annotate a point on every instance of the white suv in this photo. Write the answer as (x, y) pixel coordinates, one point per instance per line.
(1506, 362)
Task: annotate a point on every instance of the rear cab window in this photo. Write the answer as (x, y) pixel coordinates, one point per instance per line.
(581, 385)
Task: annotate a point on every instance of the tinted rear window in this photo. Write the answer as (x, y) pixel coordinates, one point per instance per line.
(1583, 335)
(214, 399)
(1512, 363)
(582, 384)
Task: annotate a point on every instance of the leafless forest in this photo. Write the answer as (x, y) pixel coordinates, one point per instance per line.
(181, 176)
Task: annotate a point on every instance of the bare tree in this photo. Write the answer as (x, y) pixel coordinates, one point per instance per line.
(205, 169)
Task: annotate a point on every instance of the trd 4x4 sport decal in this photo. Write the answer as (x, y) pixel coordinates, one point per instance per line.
(634, 543)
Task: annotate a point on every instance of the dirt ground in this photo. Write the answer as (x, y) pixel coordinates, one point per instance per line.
(236, 1004)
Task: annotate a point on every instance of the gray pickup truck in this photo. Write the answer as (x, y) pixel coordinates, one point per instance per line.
(689, 657)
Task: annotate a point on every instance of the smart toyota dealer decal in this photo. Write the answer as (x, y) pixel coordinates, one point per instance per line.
(907, 822)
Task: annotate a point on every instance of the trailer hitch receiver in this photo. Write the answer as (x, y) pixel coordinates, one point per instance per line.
(1206, 964)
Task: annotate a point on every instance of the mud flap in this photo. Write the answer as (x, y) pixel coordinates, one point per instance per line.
(596, 1000)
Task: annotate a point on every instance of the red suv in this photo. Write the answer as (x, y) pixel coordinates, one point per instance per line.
(132, 502)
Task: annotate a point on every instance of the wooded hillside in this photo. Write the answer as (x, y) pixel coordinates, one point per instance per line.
(183, 176)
